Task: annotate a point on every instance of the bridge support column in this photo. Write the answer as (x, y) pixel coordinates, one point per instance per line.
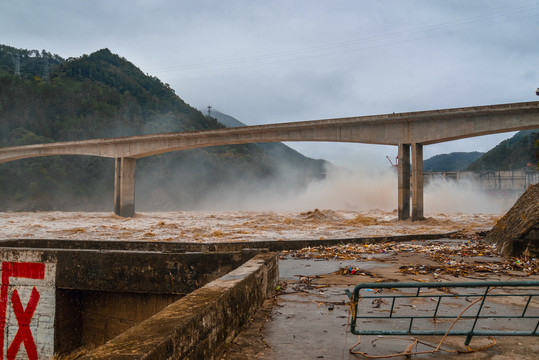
(404, 182)
(417, 182)
(124, 187)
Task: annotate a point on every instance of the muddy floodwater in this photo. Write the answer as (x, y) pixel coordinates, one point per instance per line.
(308, 318)
(222, 226)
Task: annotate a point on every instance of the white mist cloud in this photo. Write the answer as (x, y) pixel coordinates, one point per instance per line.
(359, 190)
(448, 196)
(368, 189)
(347, 190)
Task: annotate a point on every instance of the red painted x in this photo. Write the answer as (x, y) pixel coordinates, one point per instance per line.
(24, 316)
(23, 319)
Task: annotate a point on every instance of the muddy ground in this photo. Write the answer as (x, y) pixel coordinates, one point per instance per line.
(309, 316)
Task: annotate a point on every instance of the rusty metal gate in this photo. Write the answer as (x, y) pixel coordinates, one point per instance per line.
(478, 308)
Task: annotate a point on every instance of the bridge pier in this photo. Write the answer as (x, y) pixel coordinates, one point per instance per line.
(404, 182)
(124, 187)
(417, 182)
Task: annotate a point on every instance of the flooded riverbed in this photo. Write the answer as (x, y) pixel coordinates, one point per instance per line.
(223, 226)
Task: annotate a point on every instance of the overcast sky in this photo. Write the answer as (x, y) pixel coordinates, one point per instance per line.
(283, 60)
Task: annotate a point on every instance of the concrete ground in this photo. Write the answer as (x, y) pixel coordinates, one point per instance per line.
(309, 318)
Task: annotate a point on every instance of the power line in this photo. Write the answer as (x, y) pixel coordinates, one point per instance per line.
(496, 16)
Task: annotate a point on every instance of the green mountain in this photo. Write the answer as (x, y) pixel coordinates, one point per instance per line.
(279, 151)
(456, 161)
(516, 153)
(44, 98)
(226, 120)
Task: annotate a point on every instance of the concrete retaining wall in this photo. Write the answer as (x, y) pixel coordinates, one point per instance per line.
(90, 318)
(202, 323)
(182, 247)
(55, 299)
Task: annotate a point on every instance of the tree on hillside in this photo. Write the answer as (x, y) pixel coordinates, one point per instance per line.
(511, 154)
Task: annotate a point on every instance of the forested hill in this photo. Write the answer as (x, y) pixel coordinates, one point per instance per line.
(45, 98)
(94, 96)
(519, 152)
(456, 161)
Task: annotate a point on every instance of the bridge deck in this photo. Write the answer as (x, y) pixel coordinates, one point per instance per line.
(410, 131)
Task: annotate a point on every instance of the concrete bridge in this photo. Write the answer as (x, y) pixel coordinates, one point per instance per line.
(408, 131)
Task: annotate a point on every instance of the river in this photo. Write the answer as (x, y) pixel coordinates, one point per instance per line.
(221, 226)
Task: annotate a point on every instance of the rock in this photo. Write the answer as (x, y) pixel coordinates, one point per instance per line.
(517, 232)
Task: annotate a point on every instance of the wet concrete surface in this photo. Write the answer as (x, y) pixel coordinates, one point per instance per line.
(309, 318)
(290, 269)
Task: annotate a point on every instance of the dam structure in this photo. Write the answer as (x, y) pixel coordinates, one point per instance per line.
(410, 131)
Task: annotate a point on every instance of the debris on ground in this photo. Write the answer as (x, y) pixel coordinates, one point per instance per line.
(460, 268)
(451, 257)
(350, 270)
(310, 314)
(355, 251)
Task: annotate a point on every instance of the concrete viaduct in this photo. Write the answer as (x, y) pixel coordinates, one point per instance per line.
(408, 131)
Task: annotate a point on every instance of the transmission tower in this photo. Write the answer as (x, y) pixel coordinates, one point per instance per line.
(209, 110)
(45, 76)
(17, 63)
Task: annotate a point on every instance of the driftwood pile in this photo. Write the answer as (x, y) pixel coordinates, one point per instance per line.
(517, 232)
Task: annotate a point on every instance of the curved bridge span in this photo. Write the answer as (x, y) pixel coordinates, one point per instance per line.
(410, 130)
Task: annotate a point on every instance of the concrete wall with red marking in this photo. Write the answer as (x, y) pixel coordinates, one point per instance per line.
(58, 296)
(27, 306)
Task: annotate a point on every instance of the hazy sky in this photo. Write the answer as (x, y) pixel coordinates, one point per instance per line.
(283, 60)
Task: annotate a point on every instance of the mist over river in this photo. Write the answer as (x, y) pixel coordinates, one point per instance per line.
(360, 206)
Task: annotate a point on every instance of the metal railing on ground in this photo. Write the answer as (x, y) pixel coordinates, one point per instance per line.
(478, 308)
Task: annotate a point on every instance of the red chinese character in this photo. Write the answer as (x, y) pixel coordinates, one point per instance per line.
(24, 316)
